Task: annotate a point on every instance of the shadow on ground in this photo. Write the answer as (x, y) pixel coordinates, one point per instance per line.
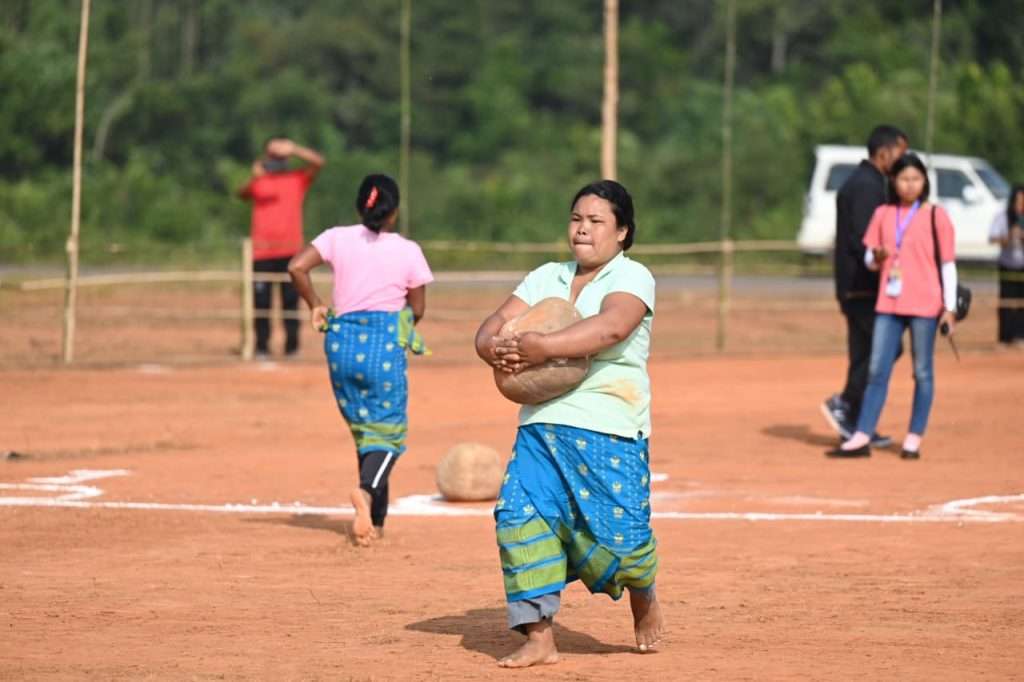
(802, 434)
(486, 631)
(342, 527)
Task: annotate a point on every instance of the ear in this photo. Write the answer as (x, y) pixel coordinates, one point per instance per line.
(623, 232)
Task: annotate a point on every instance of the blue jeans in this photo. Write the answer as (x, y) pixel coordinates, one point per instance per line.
(885, 346)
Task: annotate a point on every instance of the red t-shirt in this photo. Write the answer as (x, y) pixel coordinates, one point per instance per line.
(277, 213)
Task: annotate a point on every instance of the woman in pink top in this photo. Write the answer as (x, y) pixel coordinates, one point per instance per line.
(915, 292)
(379, 294)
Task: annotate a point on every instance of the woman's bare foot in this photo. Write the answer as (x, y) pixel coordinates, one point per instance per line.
(647, 620)
(362, 526)
(539, 648)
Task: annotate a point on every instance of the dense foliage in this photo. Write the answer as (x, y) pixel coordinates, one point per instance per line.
(506, 109)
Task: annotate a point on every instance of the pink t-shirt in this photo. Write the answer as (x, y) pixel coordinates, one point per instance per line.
(371, 271)
(922, 289)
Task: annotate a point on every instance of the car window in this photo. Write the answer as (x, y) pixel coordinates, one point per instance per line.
(995, 182)
(837, 175)
(951, 183)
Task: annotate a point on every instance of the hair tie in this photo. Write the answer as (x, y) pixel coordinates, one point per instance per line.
(372, 199)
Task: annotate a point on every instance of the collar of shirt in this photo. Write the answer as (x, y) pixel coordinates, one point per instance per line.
(568, 270)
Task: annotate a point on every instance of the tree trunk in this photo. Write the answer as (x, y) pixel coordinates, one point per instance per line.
(610, 107)
(933, 76)
(405, 153)
(71, 285)
(780, 38)
(189, 37)
(725, 227)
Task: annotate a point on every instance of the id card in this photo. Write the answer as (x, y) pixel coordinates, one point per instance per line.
(894, 287)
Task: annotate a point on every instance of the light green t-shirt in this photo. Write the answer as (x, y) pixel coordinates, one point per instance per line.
(615, 396)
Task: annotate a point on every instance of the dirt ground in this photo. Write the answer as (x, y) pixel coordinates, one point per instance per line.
(154, 549)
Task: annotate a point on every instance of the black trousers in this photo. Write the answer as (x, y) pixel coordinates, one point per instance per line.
(374, 470)
(262, 293)
(860, 326)
(1011, 320)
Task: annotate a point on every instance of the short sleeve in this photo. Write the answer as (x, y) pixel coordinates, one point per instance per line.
(531, 289)
(637, 280)
(873, 235)
(324, 244)
(947, 235)
(419, 271)
(998, 230)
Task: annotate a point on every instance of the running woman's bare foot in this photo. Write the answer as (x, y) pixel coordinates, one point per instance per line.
(539, 648)
(362, 526)
(647, 620)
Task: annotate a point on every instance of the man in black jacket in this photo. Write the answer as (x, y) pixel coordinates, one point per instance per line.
(857, 287)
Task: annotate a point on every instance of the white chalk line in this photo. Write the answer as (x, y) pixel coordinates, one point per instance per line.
(73, 495)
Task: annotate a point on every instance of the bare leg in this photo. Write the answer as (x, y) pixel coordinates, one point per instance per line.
(362, 527)
(647, 620)
(539, 648)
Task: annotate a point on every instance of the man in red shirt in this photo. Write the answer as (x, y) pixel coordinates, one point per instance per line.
(277, 194)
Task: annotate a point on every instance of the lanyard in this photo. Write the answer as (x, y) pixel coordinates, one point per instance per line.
(902, 225)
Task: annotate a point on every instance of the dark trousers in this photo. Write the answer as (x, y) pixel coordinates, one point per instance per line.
(374, 470)
(860, 325)
(1011, 320)
(262, 292)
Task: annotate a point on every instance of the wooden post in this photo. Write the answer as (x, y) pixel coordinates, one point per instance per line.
(405, 153)
(933, 76)
(725, 227)
(610, 106)
(247, 300)
(71, 247)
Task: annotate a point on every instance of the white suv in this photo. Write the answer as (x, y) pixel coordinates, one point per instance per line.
(970, 189)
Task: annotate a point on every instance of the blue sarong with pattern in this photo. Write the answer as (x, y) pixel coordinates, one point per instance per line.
(366, 358)
(575, 504)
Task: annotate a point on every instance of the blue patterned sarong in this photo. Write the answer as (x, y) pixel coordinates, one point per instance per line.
(366, 357)
(575, 504)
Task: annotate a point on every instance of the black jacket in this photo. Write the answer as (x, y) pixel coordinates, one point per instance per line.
(865, 190)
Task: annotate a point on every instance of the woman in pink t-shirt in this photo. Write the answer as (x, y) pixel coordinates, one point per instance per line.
(915, 292)
(378, 296)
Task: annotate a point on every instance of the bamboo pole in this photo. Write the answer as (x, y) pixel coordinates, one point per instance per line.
(405, 153)
(610, 106)
(933, 76)
(725, 227)
(71, 247)
(247, 300)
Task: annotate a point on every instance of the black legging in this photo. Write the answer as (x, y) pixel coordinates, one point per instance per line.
(1011, 290)
(262, 292)
(374, 469)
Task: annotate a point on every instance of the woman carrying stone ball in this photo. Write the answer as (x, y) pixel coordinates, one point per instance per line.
(575, 503)
(379, 294)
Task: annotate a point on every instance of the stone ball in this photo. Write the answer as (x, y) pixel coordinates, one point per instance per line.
(556, 376)
(470, 472)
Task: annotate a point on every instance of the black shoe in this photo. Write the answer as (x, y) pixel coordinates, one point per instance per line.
(862, 451)
(837, 414)
(880, 441)
(910, 454)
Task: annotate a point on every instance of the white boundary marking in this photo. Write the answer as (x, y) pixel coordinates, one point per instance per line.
(70, 493)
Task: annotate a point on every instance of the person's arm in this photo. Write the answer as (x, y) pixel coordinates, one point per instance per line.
(285, 147)
(487, 335)
(875, 252)
(999, 232)
(621, 313)
(417, 300)
(298, 269)
(862, 203)
(257, 170)
(948, 273)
